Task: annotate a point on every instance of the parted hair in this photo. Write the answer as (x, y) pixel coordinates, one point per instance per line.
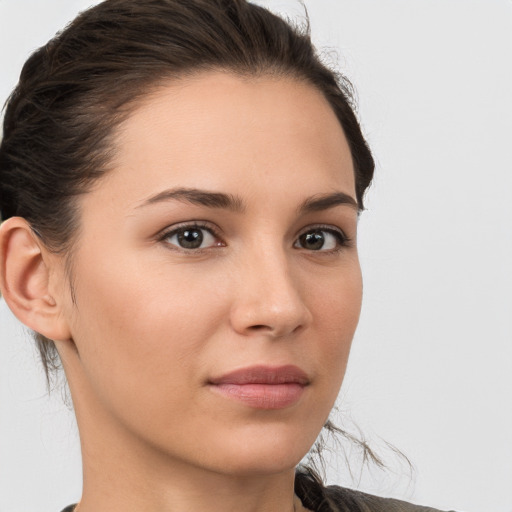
(60, 120)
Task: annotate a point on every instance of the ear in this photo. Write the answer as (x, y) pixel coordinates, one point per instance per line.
(25, 280)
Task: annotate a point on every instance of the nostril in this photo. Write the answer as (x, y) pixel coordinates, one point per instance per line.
(276, 331)
(259, 327)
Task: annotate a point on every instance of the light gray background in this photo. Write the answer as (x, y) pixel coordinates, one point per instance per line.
(431, 366)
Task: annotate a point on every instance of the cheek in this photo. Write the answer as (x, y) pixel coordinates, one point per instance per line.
(136, 323)
(337, 306)
(336, 300)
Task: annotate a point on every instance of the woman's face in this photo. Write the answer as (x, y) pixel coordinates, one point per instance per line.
(216, 277)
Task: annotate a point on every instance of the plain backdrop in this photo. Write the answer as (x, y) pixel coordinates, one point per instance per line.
(431, 366)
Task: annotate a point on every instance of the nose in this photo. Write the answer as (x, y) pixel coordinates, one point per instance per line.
(269, 299)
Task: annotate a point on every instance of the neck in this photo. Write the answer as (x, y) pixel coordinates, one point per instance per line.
(123, 474)
(118, 488)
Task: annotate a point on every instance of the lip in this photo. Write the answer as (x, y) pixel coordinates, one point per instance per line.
(263, 387)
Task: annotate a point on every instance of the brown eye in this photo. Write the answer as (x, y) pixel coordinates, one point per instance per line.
(320, 240)
(191, 237)
(312, 241)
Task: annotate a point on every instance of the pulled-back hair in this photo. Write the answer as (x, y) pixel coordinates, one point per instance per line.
(73, 92)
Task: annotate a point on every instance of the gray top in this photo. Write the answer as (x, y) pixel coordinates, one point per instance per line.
(340, 499)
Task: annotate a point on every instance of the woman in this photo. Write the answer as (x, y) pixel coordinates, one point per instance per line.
(180, 188)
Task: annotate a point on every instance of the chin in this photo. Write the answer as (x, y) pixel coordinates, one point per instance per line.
(265, 451)
(251, 465)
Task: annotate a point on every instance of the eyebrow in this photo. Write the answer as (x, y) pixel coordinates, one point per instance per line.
(325, 201)
(200, 198)
(234, 203)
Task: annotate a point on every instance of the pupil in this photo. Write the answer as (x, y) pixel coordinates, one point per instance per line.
(313, 240)
(190, 238)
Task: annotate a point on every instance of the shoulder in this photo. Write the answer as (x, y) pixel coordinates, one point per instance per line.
(349, 500)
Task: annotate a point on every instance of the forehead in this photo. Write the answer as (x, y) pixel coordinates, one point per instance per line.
(219, 130)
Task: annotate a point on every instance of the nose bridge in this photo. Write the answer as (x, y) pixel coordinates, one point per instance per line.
(270, 299)
(273, 274)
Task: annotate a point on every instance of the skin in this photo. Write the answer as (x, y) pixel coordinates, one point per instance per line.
(154, 322)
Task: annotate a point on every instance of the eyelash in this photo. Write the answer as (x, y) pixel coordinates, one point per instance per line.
(343, 241)
(190, 226)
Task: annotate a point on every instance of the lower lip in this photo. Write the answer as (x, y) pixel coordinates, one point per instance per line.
(262, 396)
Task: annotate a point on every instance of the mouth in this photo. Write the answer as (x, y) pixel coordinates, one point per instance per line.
(263, 387)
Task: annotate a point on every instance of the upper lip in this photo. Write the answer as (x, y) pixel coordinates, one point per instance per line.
(288, 374)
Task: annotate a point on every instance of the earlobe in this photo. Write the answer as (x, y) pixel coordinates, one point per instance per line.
(25, 280)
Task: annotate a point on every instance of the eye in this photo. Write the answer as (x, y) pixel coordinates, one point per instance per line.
(192, 237)
(321, 239)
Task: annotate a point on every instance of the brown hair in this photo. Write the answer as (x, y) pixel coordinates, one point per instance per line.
(74, 91)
